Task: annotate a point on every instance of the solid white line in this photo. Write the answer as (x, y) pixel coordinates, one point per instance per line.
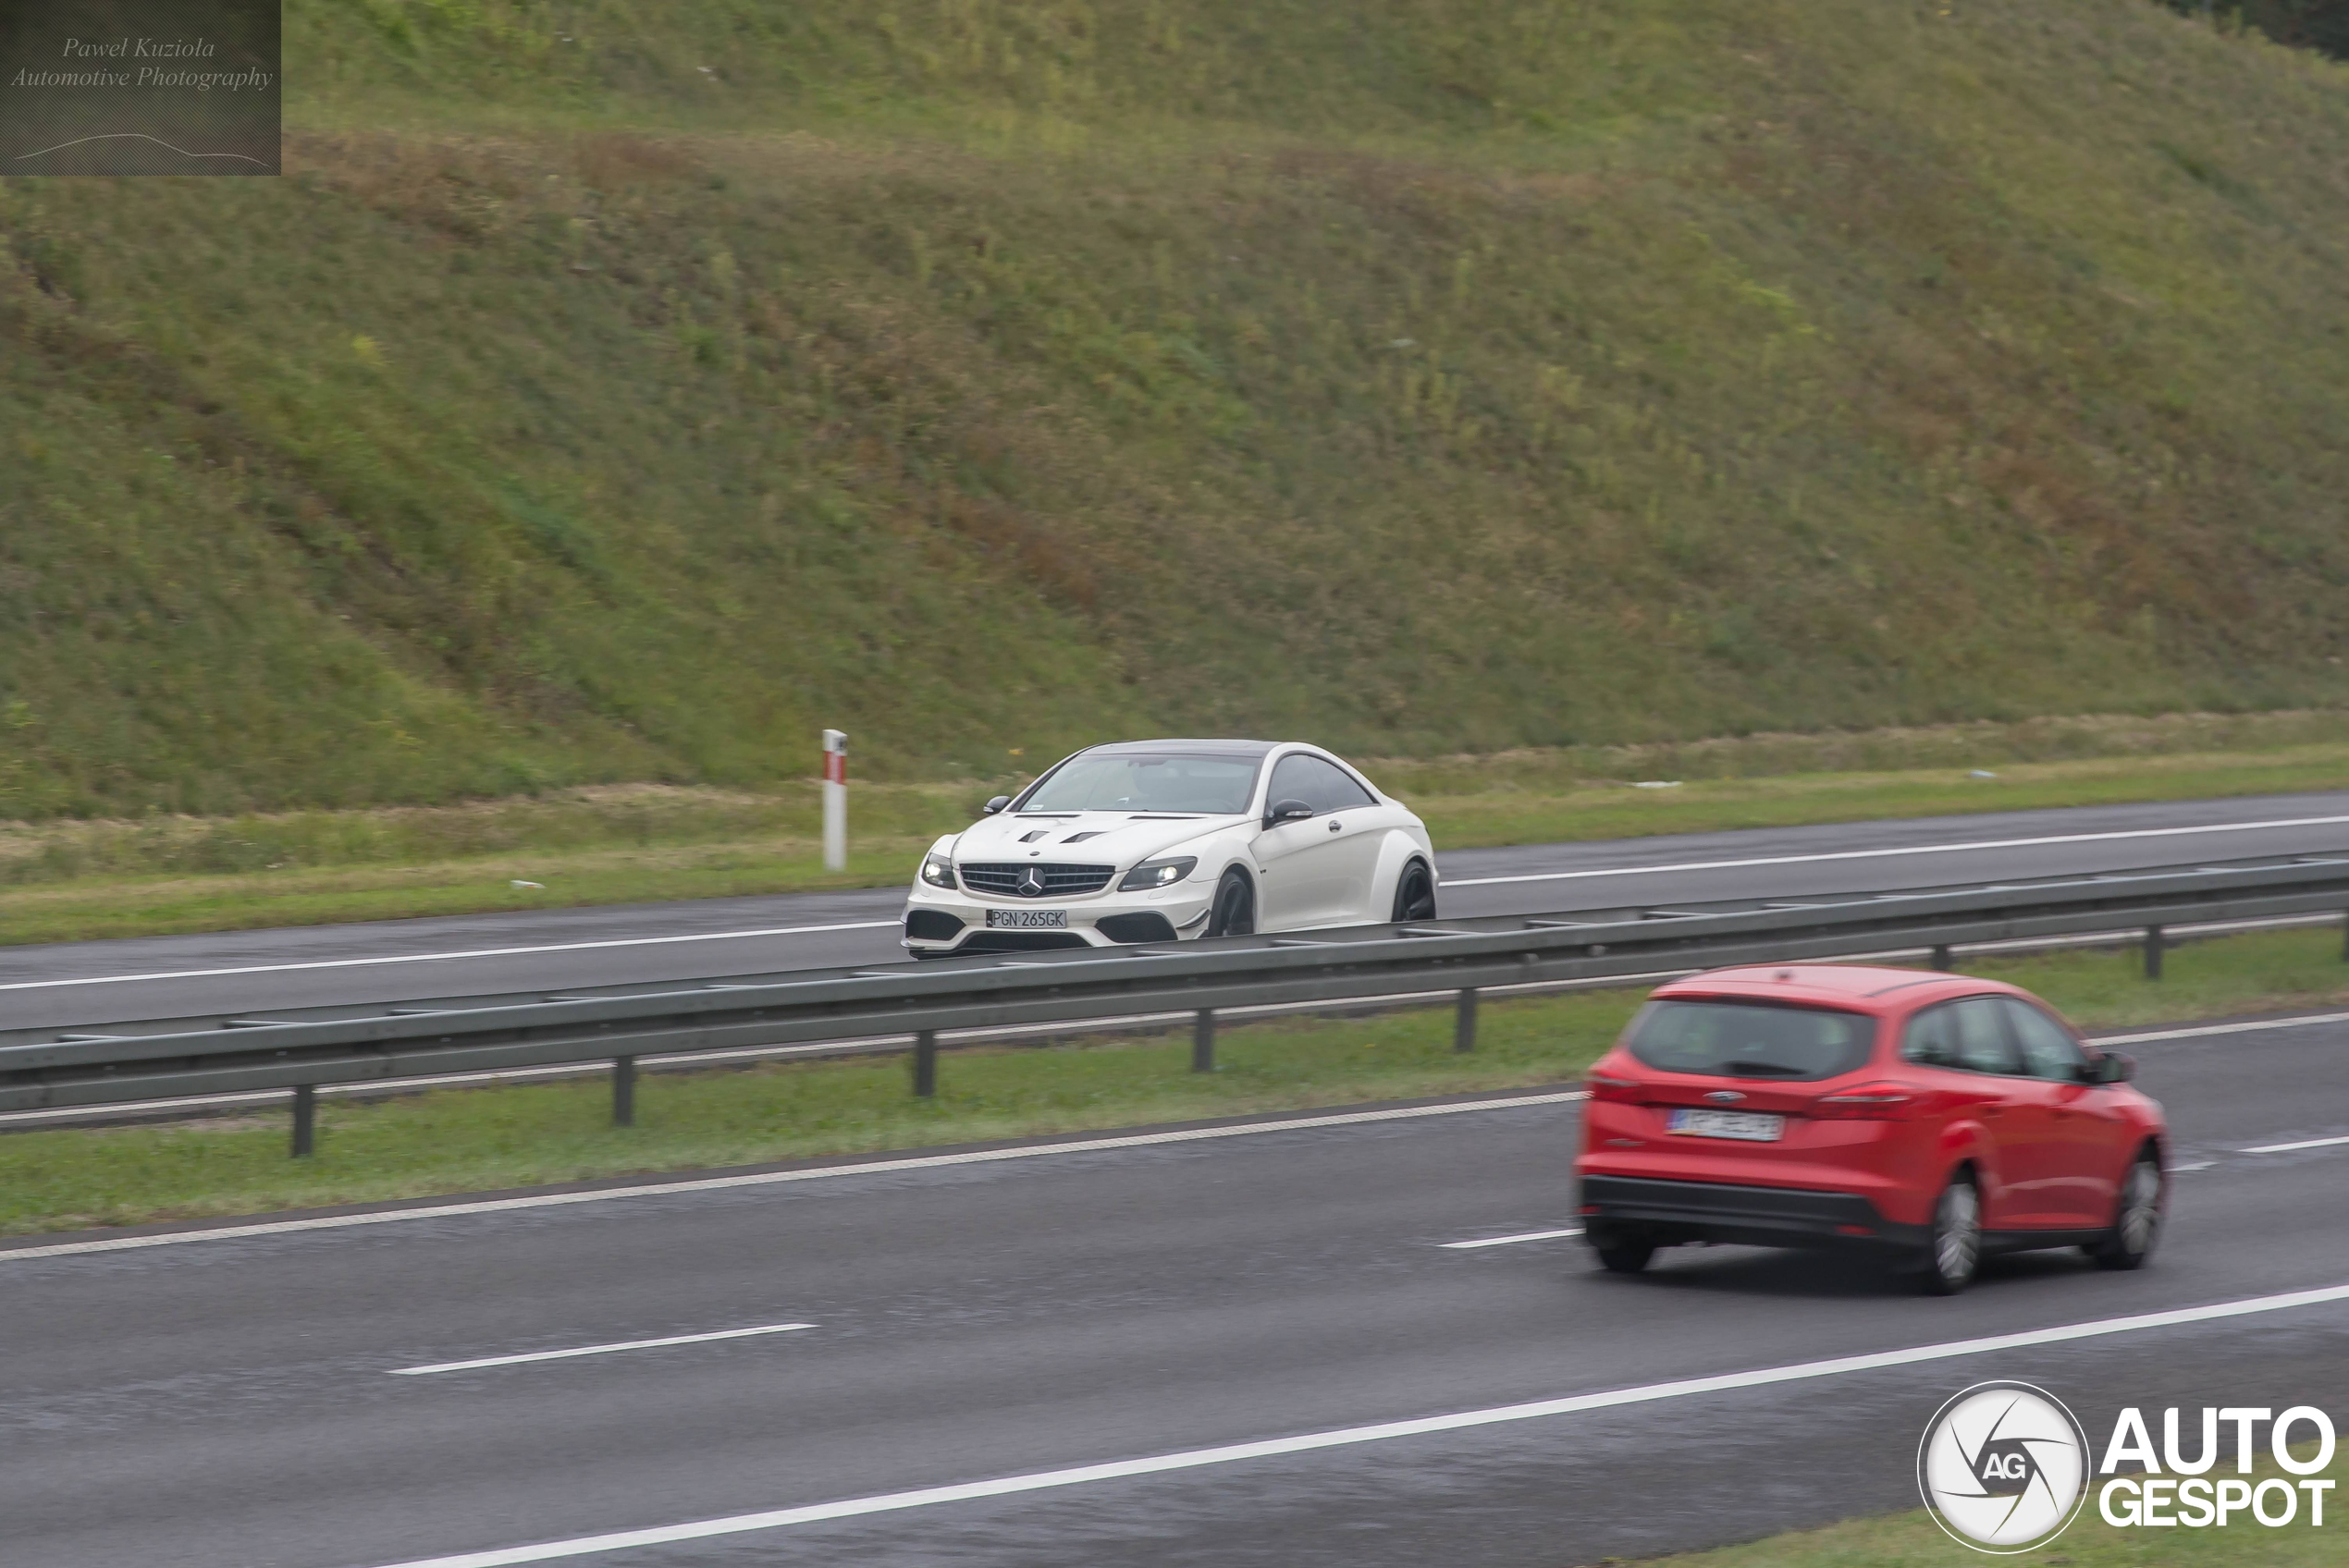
(778, 1178)
(1194, 1459)
(1505, 1241)
(596, 1350)
(442, 958)
(2191, 1031)
(1904, 849)
(1449, 882)
(2303, 1143)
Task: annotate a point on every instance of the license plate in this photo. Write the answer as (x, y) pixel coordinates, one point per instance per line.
(1027, 920)
(1752, 1126)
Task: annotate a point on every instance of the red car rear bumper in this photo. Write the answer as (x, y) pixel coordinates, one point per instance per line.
(1717, 1211)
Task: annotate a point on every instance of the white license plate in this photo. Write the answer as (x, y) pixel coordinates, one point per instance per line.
(1752, 1126)
(1027, 920)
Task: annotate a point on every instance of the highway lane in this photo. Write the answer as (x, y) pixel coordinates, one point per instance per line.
(88, 983)
(227, 1403)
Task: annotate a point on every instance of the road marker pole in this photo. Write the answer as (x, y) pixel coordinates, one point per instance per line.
(306, 1120)
(835, 801)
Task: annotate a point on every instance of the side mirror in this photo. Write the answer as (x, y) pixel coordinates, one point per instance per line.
(997, 803)
(2113, 1067)
(1286, 811)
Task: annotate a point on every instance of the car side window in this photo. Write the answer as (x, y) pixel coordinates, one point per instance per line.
(1342, 792)
(1292, 780)
(1983, 1043)
(1931, 1039)
(1316, 783)
(2049, 1050)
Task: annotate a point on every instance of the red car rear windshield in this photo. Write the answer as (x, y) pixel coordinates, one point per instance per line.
(1750, 1039)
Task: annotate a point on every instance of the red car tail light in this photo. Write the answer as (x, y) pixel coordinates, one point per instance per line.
(1624, 1090)
(1869, 1102)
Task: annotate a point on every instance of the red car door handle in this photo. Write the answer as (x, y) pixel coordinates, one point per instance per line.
(1989, 1111)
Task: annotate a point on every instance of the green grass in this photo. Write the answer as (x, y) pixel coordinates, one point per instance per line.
(986, 378)
(78, 880)
(1913, 1540)
(470, 1140)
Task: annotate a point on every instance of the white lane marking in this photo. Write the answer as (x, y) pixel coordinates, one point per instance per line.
(1194, 1459)
(2194, 1030)
(2303, 1143)
(596, 1350)
(443, 957)
(1506, 1240)
(1903, 850)
(2196, 1165)
(778, 1178)
(1449, 882)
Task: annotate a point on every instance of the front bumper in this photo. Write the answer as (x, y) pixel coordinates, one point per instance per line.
(939, 922)
(1718, 1211)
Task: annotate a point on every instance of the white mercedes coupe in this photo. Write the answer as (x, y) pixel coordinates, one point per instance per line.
(1164, 840)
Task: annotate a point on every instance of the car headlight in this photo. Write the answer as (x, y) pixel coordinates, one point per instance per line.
(938, 870)
(1158, 873)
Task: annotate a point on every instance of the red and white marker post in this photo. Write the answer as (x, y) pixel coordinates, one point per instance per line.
(835, 801)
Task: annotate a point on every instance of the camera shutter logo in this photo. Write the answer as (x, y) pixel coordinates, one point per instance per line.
(2003, 1467)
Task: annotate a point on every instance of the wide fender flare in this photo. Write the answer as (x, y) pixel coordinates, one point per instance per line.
(1396, 850)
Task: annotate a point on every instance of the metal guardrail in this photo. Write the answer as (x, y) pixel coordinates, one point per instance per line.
(303, 1049)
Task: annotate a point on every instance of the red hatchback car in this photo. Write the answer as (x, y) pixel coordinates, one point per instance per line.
(1924, 1115)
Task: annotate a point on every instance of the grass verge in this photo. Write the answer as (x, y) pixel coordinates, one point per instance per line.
(1913, 1540)
(72, 881)
(473, 1140)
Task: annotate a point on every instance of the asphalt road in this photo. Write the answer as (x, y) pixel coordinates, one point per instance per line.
(92, 982)
(236, 1403)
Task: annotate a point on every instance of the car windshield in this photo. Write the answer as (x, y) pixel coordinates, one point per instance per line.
(1748, 1040)
(1148, 781)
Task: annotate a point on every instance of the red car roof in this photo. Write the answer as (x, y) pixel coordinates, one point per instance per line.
(1855, 987)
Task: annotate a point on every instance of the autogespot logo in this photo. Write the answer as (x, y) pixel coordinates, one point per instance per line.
(2003, 1467)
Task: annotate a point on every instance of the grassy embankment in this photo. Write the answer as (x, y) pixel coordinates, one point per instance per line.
(473, 1140)
(614, 844)
(1912, 1540)
(617, 393)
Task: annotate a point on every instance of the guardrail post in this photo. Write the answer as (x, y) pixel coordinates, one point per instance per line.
(623, 1091)
(1941, 959)
(2344, 938)
(2153, 953)
(305, 1119)
(1464, 1021)
(1203, 1040)
(926, 1064)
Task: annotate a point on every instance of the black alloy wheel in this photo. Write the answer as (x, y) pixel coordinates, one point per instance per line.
(2136, 1218)
(1415, 893)
(1954, 1249)
(1235, 907)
